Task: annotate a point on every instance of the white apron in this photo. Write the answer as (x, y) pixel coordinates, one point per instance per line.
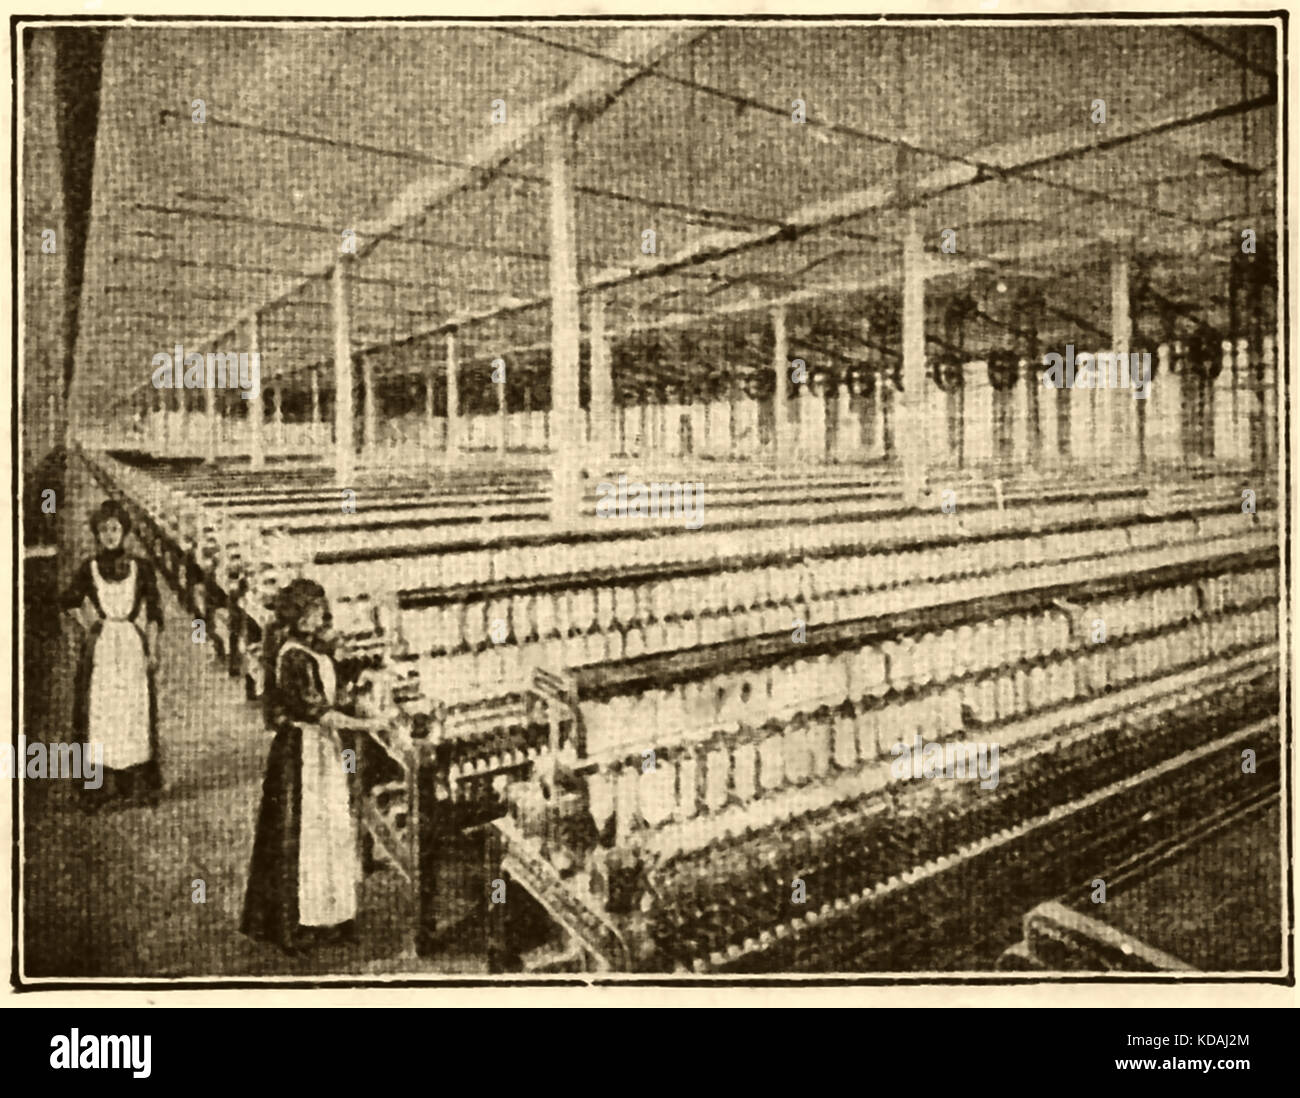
(329, 868)
(118, 706)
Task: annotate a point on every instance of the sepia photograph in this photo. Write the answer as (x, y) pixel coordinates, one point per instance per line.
(701, 500)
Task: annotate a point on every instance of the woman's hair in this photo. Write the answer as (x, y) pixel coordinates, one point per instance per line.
(111, 509)
(289, 605)
(294, 599)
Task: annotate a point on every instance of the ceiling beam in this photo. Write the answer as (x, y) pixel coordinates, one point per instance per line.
(592, 90)
(1003, 161)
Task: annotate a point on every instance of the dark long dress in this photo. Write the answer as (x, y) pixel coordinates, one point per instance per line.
(294, 694)
(114, 566)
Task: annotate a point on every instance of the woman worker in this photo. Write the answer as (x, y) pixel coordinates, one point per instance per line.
(302, 884)
(116, 699)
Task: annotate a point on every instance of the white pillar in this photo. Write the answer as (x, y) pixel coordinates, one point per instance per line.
(870, 419)
(253, 406)
(602, 381)
(701, 422)
(720, 414)
(157, 421)
(908, 435)
(795, 410)
(168, 439)
(780, 364)
(1121, 321)
(1225, 407)
(344, 457)
(503, 415)
(732, 438)
(455, 425)
(429, 432)
(209, 418)
(1269, 381)
(369, 409)
(182, 420)
(277, 416)
(1049, 447)
(672, 411)
(315, 411)
(1121, 441)
(1081, 410)
(1244, 397)
(643, 425)
(846, 424)
(935, 422)
(812, 421)
(1019, 402)
(1165, 410)
(529, 417)
(566, 449)
(977, 414)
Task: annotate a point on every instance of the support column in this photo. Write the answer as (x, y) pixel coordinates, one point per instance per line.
(1083, 420)
(1165, 408)
(315, 410)
(780, 363)
(1226, 439)
(182, 420)
(1244, 398)
(452, 447)
(168, 440)
(977, 414)
(253, 406)
(795, 406)
(503, 415)
(908, 435)
(566, 334)
(812, 419)
(698, 409)
(955, 422)
(1030, 313)
(157, 421)
(1121, 447)
(936, 420)
(721, 416)
(887, 412)
(1257, 400)
(343, 453)
(846, 428)
(369, 409)
(1268, 400)
(602, 380)
(866, 411)
(672, 420)
(1065, 429)
(209, 419)
(277, 416)
(428, 411)
(1045, 402)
